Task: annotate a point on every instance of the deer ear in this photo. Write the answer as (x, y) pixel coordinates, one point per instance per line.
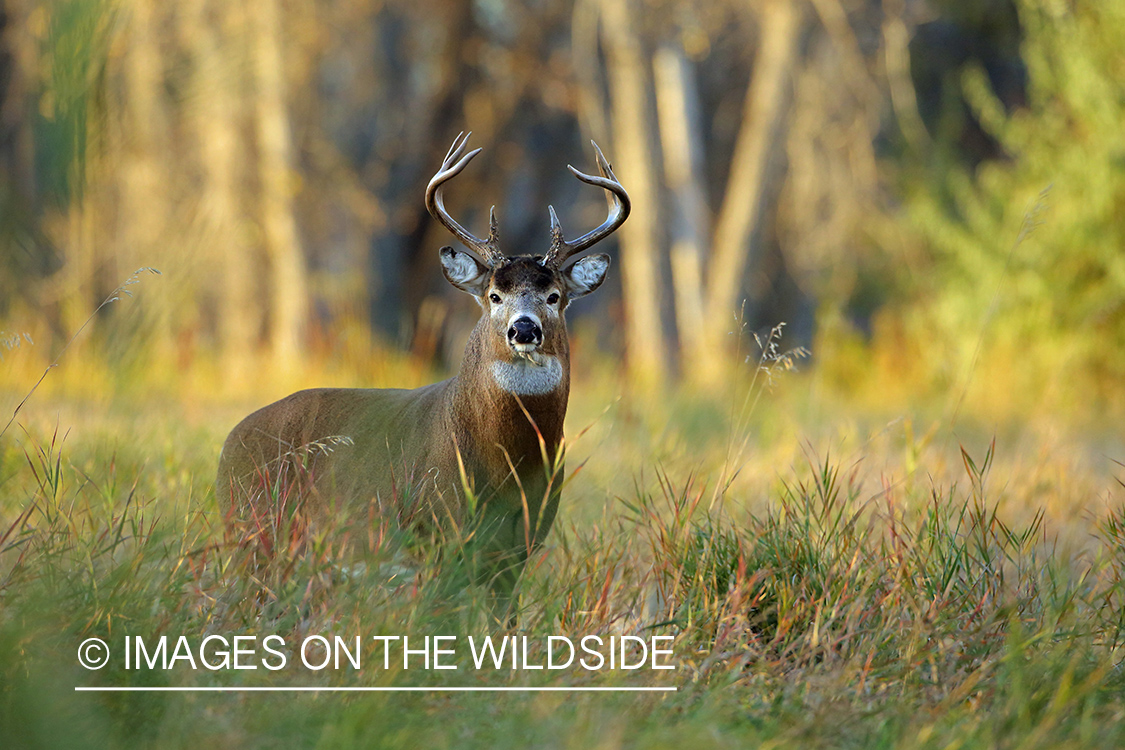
(464, 271)
(585, 275)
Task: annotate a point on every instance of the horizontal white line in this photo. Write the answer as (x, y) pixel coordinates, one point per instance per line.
(376, 689)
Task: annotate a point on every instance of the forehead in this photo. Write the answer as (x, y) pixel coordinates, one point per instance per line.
(522, 272)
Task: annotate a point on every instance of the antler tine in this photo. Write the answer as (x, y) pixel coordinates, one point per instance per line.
(618, 199)
(454, 162)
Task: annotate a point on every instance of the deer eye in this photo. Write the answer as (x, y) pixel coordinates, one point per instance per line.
(553, 298)
(495, 298)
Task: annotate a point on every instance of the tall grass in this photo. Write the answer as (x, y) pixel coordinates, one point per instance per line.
(912, 616)
(827, 608)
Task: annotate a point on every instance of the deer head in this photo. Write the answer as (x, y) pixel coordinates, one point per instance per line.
(522, 331)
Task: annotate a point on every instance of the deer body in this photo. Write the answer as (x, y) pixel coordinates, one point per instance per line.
(493, 432)
(408, 447)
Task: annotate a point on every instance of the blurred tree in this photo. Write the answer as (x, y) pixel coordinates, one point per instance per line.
(143, 147)
(25, 253)
(288, 291)
(217, 115)
(992, 293)
(766, 102)
(271, 158)
(63, 60)
(630, 123)
(678, 106)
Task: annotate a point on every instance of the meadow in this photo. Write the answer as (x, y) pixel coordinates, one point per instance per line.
(828, 572)
(910, 536)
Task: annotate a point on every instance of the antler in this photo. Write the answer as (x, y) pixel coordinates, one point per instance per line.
(561, 249)
(454, 162)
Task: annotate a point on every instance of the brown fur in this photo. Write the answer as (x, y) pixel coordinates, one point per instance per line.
(421, 454)
(404, 446)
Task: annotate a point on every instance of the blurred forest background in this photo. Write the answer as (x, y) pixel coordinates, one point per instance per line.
(930, 194)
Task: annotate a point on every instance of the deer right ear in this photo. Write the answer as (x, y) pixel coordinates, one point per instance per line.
(464, 271)
(585, 275)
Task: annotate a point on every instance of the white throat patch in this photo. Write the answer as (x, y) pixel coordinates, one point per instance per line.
(525, 378)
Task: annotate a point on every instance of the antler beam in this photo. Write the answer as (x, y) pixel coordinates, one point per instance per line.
(561, 249)
(488, 250)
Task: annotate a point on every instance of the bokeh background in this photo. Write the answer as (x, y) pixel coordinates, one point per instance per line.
(928, 194)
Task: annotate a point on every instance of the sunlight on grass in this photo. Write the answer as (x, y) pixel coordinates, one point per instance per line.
(813, 573)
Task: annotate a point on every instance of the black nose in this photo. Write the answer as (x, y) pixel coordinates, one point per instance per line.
(525, 331)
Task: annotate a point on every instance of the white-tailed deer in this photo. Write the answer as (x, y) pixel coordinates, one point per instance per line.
(495, 429)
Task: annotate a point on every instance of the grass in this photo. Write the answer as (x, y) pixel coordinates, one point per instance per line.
(867, 586)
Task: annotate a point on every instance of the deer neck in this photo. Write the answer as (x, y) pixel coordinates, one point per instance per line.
(499, 403)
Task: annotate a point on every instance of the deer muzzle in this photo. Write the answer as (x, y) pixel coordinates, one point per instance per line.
(525, 334)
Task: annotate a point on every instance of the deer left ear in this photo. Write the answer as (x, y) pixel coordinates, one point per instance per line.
(585, 275)
(464, 271)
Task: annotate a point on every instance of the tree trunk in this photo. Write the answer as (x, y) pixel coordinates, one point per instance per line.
(213, 32)
(288, 292)
(640, 272)
(677, 103)
(763, 112)
(144, 177)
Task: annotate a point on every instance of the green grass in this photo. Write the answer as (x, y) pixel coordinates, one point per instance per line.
(817, 602)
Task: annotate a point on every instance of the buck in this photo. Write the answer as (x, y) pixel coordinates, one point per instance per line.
(482, 447)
